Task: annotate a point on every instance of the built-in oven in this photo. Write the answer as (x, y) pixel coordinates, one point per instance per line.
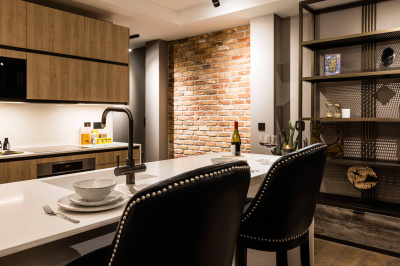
(67, 167)
(12, 79)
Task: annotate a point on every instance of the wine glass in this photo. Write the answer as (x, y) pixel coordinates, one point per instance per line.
(262, 141)
(271, 142)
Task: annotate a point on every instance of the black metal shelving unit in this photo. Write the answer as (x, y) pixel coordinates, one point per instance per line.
(368, 77)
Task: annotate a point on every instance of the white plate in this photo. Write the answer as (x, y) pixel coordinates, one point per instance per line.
(67, 204)
(226, 160)
(114, 196)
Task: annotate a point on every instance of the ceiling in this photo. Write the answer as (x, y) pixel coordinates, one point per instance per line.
(174, 19)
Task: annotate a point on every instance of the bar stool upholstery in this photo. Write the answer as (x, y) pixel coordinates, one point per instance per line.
(190, 219)
(279, 216)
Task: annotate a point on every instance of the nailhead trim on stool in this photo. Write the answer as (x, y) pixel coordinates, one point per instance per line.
(262, 194)
(165, 190)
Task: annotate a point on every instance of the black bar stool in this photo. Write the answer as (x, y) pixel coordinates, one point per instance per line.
(190, 219)
(279, 216)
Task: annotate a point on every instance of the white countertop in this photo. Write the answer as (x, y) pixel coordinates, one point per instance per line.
(24, 224)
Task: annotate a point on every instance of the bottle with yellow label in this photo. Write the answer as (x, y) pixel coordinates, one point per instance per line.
(85, 135)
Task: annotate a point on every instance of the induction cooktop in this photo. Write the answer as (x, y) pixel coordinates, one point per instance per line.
(49, 149)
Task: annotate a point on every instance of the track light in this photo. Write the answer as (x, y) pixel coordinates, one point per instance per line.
(134, 36)
(216, 3)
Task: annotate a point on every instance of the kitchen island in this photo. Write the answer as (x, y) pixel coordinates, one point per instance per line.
(30, 237)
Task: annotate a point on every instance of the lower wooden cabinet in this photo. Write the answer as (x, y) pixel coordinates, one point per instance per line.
(27, 169)
(110, 165)
(17, 171)
(109, 159)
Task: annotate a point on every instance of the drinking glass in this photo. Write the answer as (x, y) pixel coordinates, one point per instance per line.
(262, 141)
(271, 142)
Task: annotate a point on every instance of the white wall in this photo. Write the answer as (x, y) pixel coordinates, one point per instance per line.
(136, 101)
(32, 124)
(262, 77)
(156, 110)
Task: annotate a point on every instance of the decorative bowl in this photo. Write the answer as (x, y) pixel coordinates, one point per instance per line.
(94, 189)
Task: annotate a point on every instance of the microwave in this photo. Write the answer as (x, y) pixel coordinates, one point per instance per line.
(12, 79)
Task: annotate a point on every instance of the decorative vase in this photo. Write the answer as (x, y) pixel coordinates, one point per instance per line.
(328, 113)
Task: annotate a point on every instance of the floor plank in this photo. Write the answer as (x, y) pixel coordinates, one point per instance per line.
(328, 253)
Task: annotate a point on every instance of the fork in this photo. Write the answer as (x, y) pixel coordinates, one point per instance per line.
(50, 212)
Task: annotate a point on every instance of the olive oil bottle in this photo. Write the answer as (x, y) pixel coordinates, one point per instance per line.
(236, 142)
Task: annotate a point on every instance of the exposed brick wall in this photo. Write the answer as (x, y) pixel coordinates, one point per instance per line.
(209, 88)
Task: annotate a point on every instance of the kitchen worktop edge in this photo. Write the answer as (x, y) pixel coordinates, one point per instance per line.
(42, 155)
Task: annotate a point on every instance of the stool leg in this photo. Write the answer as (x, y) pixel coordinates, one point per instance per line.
(305, 253)
(281, 258)
(241, 256)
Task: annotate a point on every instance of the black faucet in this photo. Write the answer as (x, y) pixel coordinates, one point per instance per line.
(129, 169)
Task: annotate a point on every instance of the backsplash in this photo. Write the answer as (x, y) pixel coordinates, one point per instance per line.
(34, 124)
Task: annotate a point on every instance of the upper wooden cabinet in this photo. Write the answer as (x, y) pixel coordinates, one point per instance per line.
(117, 43)
(13, 23)
(55, 31)
(106, 41)
(12, 54)
(54, 78)
(106, 82)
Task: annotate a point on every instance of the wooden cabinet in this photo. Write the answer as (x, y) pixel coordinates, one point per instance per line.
(109, 159)
(12, 54)
(13, 23)
(95, 38)
(117, 43)
(106, 82)
(17, 171)
(55, 31)
(54, 78)
(120, 89)
(106, 41)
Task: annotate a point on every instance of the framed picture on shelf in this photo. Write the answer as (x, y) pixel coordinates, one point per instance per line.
(332, 64)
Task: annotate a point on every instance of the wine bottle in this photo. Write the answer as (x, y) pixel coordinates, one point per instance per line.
(6, 144)
(236, 142)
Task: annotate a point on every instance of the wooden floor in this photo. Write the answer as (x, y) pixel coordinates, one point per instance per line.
(330, 253)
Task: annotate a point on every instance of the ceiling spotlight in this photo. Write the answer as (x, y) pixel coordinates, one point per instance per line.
(216, 3)
(134, 36)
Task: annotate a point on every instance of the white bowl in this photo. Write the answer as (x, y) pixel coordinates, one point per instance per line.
(94, 189)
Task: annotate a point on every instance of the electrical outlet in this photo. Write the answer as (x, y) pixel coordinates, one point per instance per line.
(261, 126)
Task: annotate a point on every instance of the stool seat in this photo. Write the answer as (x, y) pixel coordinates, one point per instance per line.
(279, 216)
(180, 221)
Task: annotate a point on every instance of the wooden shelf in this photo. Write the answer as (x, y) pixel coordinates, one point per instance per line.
(355, 119)
(354, 39)
(354, 76)
(359, 162)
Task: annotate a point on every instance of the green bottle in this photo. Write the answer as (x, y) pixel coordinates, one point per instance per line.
(236, 142)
